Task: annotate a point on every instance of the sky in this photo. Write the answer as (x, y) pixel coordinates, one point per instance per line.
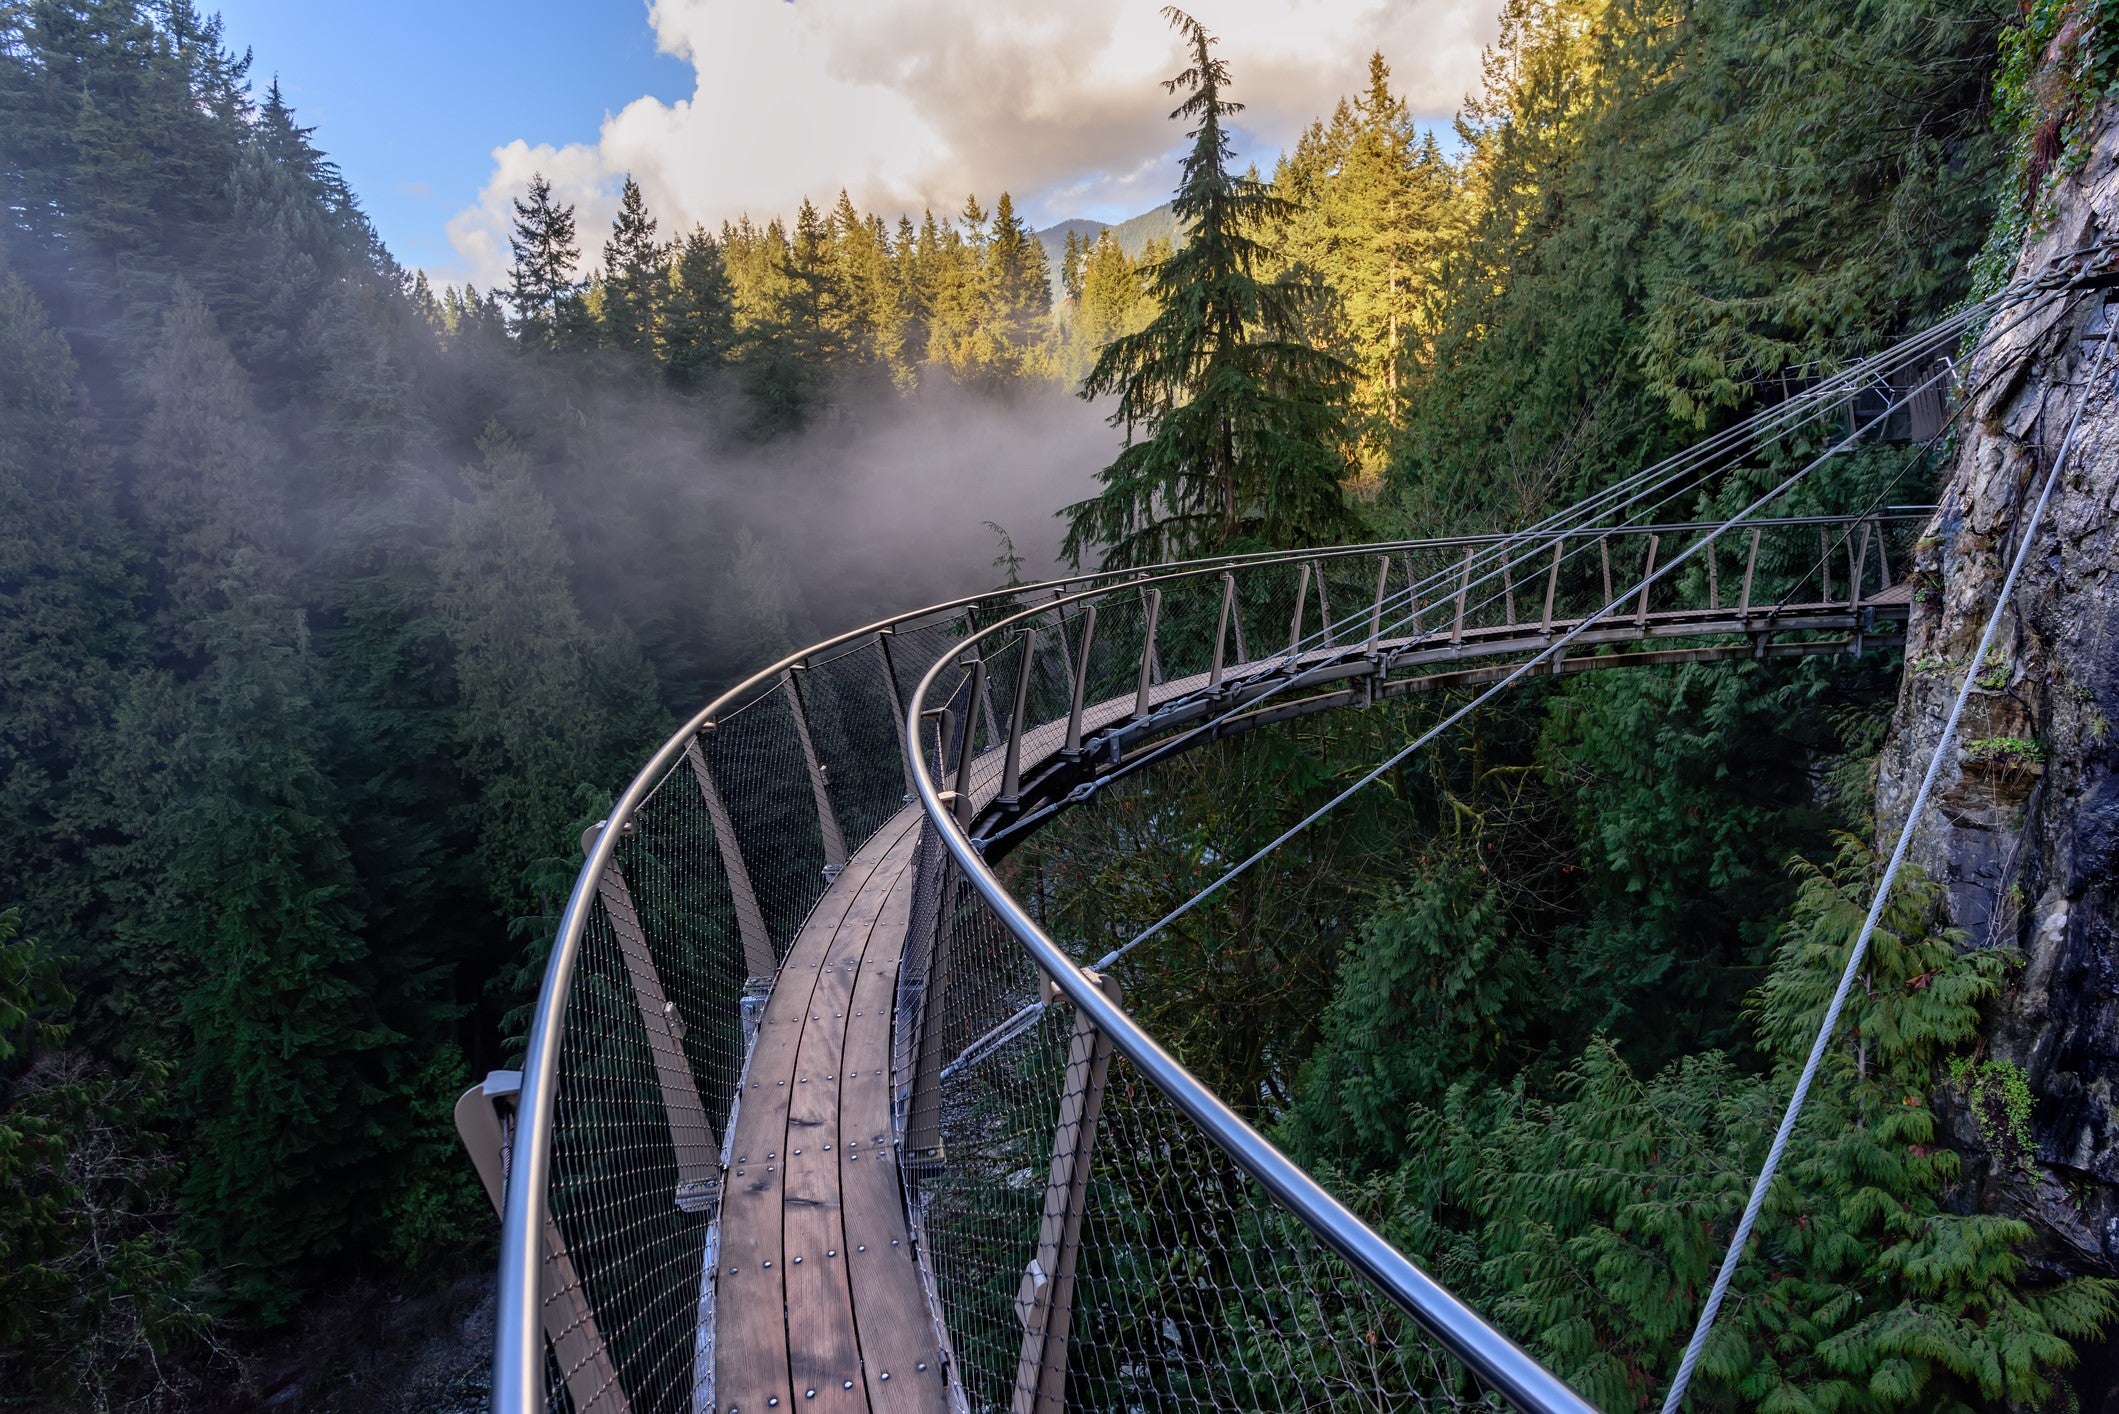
(439, 111)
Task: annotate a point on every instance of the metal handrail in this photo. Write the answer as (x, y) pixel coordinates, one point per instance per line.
(518, 1337)
(519, 1361)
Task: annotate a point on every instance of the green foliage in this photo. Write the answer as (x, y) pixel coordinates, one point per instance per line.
(1589, 1221)
(1233, 424)
(98, 1289)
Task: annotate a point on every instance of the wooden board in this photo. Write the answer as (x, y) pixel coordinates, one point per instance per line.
(750, 1336)
(824, 1357)
(896, 1329)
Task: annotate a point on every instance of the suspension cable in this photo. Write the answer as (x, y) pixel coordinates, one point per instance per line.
(1508, 681)
(1742, 1235)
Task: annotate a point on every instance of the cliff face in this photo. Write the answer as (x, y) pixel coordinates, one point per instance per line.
(2029, 847)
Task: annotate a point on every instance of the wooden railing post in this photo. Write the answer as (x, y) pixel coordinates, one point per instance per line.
(750, 919)
(485, 1121)
(1012, 767)
(1302, 600)
(1152, 609)
(1080, 689)
(1221, 628)
(897, 703)
(1045, 1299)
(1750, 567)
(1383, 584)
(1464, 583)
(1552, 587)
(697, 1149)
(967, 747)
(819, 779)
(1324, 608)
(1640, 618)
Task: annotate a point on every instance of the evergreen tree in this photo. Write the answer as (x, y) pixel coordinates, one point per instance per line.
(635, 277)
(68, 596)
(1021, 280)
(699, 315)
(1233, 425)
(248, 921)
(1071, 256)
(541, 283)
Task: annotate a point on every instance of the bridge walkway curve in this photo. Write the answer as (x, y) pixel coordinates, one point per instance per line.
(819, 1302)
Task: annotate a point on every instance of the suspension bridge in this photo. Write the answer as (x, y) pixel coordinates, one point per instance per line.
(816, 1113)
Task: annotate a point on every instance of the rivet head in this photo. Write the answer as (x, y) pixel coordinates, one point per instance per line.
(893, 1242)
(833, 1252)
(768, 1266)
(921, 1366)
(809, 1394)
(773, 1403)
(862, 1248)
(798, 1261)
(846, 1385)
(886, 1374)
(798, 1152)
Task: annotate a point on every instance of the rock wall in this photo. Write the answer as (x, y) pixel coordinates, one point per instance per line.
(2029, 847)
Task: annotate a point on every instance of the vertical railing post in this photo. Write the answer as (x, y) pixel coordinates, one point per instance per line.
(1824, 566)
(1152, 608)
(1302, 600)
(1604, 559)
(1012, 767)
(1714, 573)
(1324, 608)
(1743, 607)
(1552, 587)
(819, 777)
(1383, 584)
(1508, 588)
(1045, 1299)
(1640, 618)
(1883, 559)
(922, 1139)
(1464, 583)
(1081, 683)
(750, 919)
(884, 637)
(1861, 562)
(966, 749)
(1221, 628)
(485, 1121)
(698, 1151)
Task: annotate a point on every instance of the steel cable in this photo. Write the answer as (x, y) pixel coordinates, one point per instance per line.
(1742, 1235)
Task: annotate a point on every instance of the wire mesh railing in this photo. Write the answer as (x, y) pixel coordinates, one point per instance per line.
(1092, 1225)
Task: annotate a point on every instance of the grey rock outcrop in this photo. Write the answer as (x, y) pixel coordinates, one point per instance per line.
(2024, 830)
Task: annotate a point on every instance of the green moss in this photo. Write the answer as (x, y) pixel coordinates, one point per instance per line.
(1999, 1093)
(2004, 750)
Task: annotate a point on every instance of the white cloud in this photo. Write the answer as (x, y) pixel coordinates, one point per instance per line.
(909, 103)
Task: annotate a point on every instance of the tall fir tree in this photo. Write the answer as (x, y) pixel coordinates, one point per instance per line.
(541, 284)
(635, 277)
(1234, 425)
(699, 313)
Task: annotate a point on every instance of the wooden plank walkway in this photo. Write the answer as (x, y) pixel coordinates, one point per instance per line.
(819, 1304)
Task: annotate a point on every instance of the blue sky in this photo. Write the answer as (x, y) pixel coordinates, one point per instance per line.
(410, 99)
(439, 112)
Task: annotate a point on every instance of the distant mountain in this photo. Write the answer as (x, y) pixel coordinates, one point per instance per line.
(1132, 235)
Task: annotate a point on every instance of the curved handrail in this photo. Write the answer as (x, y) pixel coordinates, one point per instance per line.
(1485, 1350)
(519, 1338)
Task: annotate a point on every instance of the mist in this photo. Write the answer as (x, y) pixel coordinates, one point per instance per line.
(890, 507)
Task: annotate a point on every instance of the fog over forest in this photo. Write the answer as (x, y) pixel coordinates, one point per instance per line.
(336, 606)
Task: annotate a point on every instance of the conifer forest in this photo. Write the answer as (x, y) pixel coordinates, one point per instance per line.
(336, 604)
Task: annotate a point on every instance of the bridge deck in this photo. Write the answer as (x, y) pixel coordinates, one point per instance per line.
(819, 1303)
